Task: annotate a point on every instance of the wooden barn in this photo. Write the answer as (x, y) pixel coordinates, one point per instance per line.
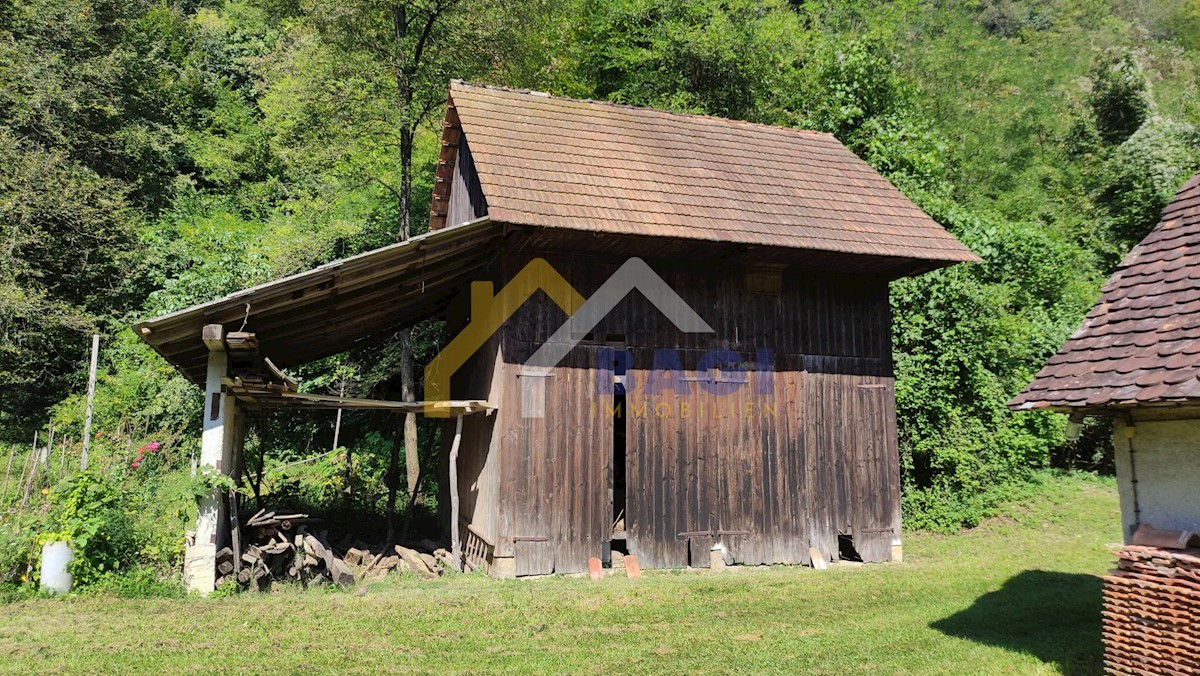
(765, 435)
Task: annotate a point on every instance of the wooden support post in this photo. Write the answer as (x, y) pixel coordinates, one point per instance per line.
(33, 467)
(235, 533)
(46, 457)
(337, 424)
(216, 452)
(91, 398)
(455, 544)
(12, 451)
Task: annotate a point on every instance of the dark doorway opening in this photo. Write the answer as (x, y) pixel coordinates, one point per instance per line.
(619, 457)
(846, 550)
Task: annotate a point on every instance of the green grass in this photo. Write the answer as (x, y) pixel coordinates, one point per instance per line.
(1019, 594)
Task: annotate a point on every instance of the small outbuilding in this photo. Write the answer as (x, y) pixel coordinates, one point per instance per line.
(678, 327)
(1136, 359)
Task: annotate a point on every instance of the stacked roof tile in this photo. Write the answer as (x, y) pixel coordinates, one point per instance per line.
(585, 165)
(1140, 344)
(1152, 612)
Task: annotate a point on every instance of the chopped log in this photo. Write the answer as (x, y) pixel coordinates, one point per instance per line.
(225, 567)
(430, 563)
(314, 546)
(414, 560)
(353, 556)
(444, 558)
(340, 573)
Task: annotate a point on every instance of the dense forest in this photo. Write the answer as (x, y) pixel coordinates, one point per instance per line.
(158, 154)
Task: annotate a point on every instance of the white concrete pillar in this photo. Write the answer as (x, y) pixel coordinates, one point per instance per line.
(216, 454)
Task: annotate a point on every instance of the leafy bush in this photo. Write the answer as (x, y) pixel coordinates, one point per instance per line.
(721, 58)
(1142, 175)
(19, 549)
(1120, 100)
(125, 526)
(94, 517)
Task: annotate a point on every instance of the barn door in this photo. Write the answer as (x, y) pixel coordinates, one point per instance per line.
(533, 546)
(874, 463)
(563, 464)
(655, 477)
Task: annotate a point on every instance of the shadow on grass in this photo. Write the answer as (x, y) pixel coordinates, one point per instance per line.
(1052, 616)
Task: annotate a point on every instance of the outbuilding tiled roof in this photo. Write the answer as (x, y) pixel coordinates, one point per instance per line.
(601, 167)
(1140, 344)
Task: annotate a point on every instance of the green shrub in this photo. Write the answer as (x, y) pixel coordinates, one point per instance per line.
(19, 549)
(95, 517)
(1120, 97)
(125, 527)
(1141, 176)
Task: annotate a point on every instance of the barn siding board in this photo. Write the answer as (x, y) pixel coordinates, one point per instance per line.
(767, 485)
(466, 199)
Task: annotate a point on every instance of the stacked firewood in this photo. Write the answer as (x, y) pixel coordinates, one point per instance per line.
(1152, 612)
(282, 547)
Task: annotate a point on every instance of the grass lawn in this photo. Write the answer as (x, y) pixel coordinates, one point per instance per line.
(1019, 594)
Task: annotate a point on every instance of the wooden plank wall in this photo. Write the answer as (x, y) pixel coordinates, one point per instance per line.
(467, 201)
(480, 452)
(767, 474)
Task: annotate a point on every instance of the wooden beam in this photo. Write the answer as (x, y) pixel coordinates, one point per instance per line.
(455, 544)
(91, 398)
(278, 397)
(213, 336)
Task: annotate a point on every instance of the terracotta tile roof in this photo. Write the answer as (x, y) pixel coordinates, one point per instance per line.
(1140, 344)
(602, 167)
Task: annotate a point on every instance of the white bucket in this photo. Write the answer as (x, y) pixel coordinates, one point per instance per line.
(56, 559)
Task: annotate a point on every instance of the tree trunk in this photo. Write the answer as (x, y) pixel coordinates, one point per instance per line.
(406, 150)
(408, 388)
(408, 392)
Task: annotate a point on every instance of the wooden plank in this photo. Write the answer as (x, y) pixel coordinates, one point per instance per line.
(213, 337)
(455, 548)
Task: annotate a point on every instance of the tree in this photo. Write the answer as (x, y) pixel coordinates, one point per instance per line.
(1119, 99)
(89, 97)
(721, 58)
(1140, 177)
(397, 58)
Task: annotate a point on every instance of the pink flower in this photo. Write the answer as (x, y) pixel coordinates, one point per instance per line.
(153, 446)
